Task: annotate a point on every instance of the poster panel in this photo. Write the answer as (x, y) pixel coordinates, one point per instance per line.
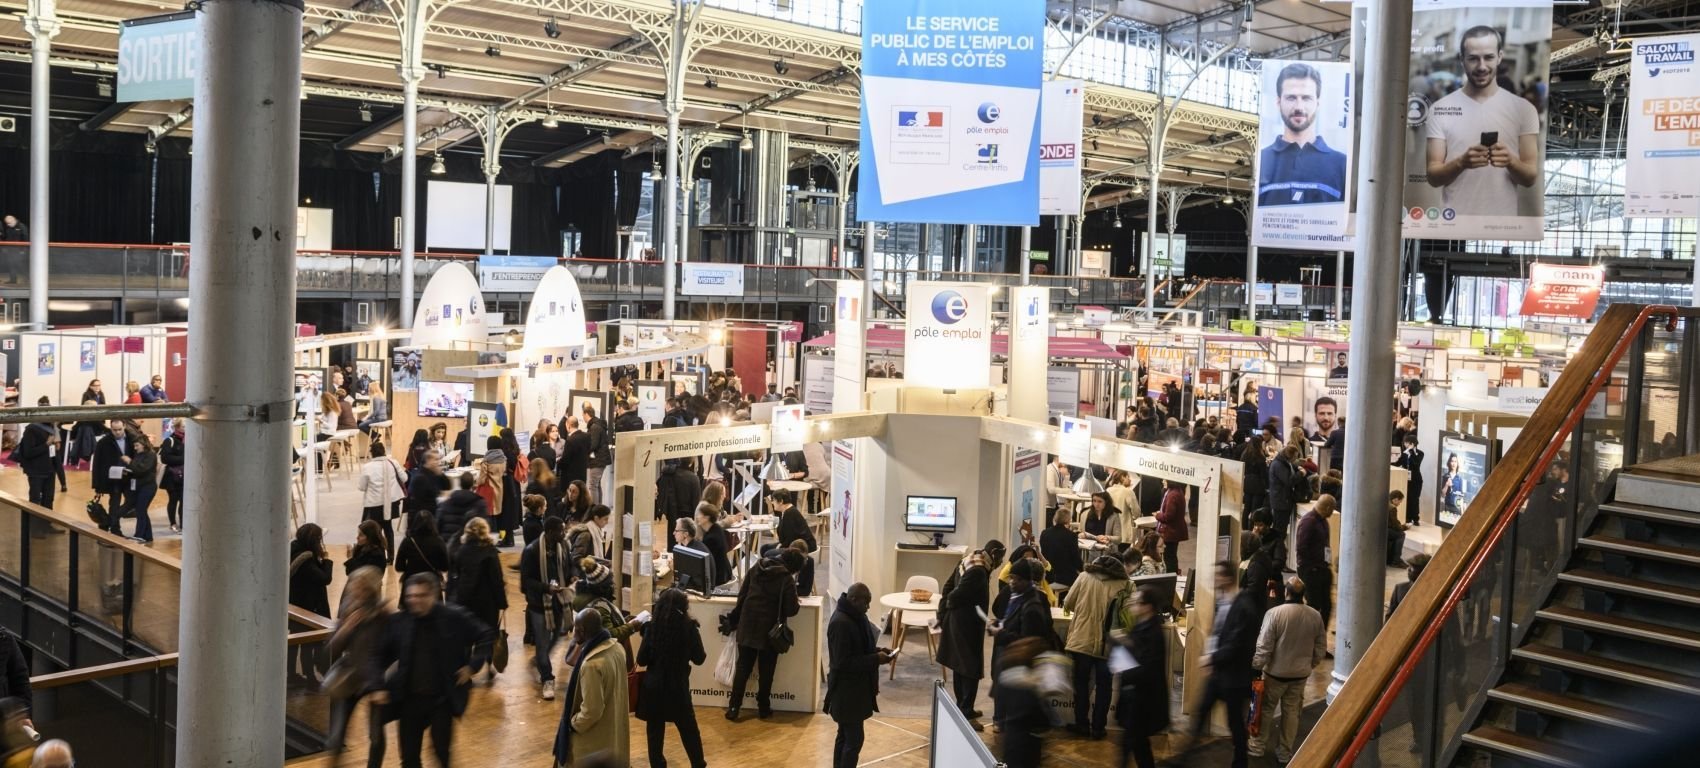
(1663, 157)
(405, 365)
(1076, 444)
(86, 356)
(950, 336)
(950, 111)
(1555, 289)
(1026, 468)
(1289, 295)
(705, 279)
(481, 419)
(512, 274)
(1271, 404)
(788, 428)
(849, 369)
(158, 57)
(843, 498)
(1464, 465)
(818, 381)
(1475, 117)
(1062, 107)
(652, 402)
(1304, 166)
(1062, 391)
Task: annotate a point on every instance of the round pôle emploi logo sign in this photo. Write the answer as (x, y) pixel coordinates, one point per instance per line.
(949, 307)
(989, 113)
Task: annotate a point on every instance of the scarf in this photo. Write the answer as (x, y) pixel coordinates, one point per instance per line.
(544, 549)
(564, 733)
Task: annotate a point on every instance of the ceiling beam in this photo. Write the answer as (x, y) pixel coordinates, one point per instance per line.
(105, 116)
(369, 130)
(594, 142)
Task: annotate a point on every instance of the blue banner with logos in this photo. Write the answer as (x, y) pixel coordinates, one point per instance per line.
(950, 111)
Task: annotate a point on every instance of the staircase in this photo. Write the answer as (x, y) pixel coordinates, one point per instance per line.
(1612, 660)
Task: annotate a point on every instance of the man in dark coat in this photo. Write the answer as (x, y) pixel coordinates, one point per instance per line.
(38, 452)
(1239, 616)
(575, 453)
(1287, 487)
(109, 451)
(1027, 614)
(15, 680)
(962, 623)
(1143, 708)
(436, 649)
(462, 505)
(677, 490)
(601, 451)
(853, 672)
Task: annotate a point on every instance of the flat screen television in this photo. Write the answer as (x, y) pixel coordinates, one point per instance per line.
(693, 570)
(444, 399)
(931, 514)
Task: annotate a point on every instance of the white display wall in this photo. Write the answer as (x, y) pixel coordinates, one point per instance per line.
(60, 364)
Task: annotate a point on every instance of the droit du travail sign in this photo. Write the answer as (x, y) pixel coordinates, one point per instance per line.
(949, 341)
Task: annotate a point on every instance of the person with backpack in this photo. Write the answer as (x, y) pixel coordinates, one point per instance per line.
(1096, 601)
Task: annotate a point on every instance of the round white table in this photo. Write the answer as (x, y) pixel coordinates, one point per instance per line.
(898, 602)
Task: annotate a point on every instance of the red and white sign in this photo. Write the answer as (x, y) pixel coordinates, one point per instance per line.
(1556, 290)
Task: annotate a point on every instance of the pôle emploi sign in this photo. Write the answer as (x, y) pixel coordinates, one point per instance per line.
(158, 57)
(950, 111)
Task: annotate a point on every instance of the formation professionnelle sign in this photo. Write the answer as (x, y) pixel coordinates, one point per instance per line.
(950, 111)
(158, 57)
(1664, 129)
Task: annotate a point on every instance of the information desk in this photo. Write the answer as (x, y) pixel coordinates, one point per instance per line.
(796, 682)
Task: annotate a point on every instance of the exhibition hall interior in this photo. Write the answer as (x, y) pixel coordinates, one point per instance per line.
(900, 383)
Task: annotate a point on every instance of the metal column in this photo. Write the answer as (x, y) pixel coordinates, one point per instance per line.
(670, 203)
(1026, 255)
(1340, 288)
(409, 182)
(230, 706)
(492, 169)
(1251, 284)
(42, 25)
(1363, 517)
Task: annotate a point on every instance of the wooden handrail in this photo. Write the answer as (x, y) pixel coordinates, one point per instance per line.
(1351, 721)
(132, 666)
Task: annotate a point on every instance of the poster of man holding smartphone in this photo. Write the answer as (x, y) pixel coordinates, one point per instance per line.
(1483, 141)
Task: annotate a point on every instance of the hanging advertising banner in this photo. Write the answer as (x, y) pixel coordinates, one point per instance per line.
(1663, 157)
(849, 367)
(1476, 117)
(1289, 295)
(843, 496)
(1062, 391)
(950, 336)
(788, 427)
(1304, 167)
(1061, 109)
(158, 57)
(950, 111)
(1264, 293)
(702, 279)
(1563, 291)
(1026, 471)
(1076, 443)
(512, 274)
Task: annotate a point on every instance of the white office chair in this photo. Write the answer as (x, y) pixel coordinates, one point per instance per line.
(901, 623)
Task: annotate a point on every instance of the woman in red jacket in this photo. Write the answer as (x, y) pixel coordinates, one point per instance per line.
(1171, 523)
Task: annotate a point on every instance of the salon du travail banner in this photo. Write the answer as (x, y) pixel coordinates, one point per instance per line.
(1664, 129)
(950, 111)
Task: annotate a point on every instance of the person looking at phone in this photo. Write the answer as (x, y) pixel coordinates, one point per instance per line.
(1483, 141)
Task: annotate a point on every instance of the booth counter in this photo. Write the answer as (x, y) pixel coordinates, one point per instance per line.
(796, 681)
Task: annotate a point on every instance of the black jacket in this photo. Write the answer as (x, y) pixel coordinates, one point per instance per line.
(421, 554)
(32, 453)
(464, 641)
(1144, 703)
(1256, 490)
(852, 668)
(455, 510)
(423, 488)
(575, 458)
(17, 234)
(962, 643)
(714, 540)
(629, 422)
(1287, 485)
(1412, 459)
(1061, 547)
(15, 683)
(373, 558)
(1236, 642)
(171, 455)
(534, 578)
(793, 526)
(676, 494)
(307, 581)
(143, 469)
(601, 444)
(668, 655)
(768, 593)
(478, 583)
(1032, 618)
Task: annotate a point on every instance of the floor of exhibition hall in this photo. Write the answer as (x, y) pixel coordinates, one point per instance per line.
(507, 723)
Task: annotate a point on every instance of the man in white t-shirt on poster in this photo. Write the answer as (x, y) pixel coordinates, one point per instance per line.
(1483, 141)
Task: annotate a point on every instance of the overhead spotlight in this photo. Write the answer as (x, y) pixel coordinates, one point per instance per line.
(1227, 199)
(492, 51)
(780, 67)
(549, 121)
(551, 29)
(745, 144)
(442, 71)
(104, 87)
(1118, 221)
(1095, 143)
(365, 113)
(1097, 119)
(437, 167)
(710, 82)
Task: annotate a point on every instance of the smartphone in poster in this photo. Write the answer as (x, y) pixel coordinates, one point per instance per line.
(1464, 465)
(1304, 166)
(1475, 117)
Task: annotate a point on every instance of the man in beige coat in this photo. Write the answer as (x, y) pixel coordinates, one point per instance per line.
(1095, 601)
(593, 724)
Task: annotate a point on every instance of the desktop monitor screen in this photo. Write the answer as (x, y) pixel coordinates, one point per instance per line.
(692, 570)
(933, 514)
(444, 399)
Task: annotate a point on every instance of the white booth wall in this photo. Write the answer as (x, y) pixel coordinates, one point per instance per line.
(65, 383)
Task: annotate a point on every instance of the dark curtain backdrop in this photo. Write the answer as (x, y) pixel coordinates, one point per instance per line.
(99, 192)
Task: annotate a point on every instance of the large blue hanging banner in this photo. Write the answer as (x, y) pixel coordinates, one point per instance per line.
(950, 111)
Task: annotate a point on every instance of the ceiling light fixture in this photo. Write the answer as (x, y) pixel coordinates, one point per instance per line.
(549, 105)
(437, 167)
(780, 67)
(549, 121)
(365, 113)
(104, 87)
(552, 29)
(492, 51)
(1227, 199)
(710, 83)
(745, 144)
(1118, 222)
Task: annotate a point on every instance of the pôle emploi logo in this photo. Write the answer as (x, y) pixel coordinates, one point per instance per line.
(949, 307)
(989, 113)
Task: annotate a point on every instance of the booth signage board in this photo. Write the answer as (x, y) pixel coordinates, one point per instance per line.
(652, 402)
(1170, 254)
(1075, 446)
(1521, 399)
(736, 439)
(482, 421)
(1093, 316)
(1264, 293)
(158, 58)
(1555, 289)
(818, 382)
(950, 111)
(512, 274)
(1271, 404)
(839, 576)
(1289, 295)
(554, 323)
(1304, 167)
(1062, 391)
(950, 336)
(1025, 474)
(451, 311)
(1061, 106)
(849, 370)
(1031, 312)
(788, 428)
(1663, 158)
(703, 279)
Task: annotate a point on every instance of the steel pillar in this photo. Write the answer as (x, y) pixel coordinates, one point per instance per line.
(1340, 288)
(1380, 180)
(1251, 284)
(1026, 255)
(230, 706)
(409, 187)
(42, 24)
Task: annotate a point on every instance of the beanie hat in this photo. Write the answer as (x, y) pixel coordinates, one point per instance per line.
(595, 573)
(495, 457)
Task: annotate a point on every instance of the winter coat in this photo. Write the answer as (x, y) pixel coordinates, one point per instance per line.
(535, 574)
(423, 488)
(171, 456)
(421, 553)
(32, 452)
(1287, 485)
(676, 493)
(714, 540)
(478, 585)
(575, 458)
(793, 526)
(962, 639)
(1171, 520)
(1061, 548)
(1031, 618)
(1236, 642)
(1255, 493)
(597, 709)
(668, 656)
(601, 444)
(768, 593)
(463, 641)
(1096, 600)
(455, 510)
(143, 469)
(853, 668)
(14, 671)
(307, 581)
(106, 454)
(1144, 704)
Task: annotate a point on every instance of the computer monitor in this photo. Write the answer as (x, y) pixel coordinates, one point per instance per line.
(931, 514)
(444, 399)
(1161, 583)
(693, 571)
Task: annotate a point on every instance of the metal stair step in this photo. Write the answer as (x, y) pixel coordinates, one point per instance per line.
(1651, 514)
(1527, 748)
(1614, 625)
(1608, 669)
(1566, 706)
(1598, 579)
(1641, 549)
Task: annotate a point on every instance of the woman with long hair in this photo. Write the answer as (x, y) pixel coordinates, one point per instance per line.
(309, 575)
(506, 518)
(1254, 494)
(478, 585)
(423, 551)
(540, 447)
(369, 550)
(440, 438)
(575, 502)
(672, 644)
(141, 468)
(360, 625)
(543, 481)
(416, 450)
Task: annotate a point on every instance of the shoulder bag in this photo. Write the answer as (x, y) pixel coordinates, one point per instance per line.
(781, 638)
(499, 654)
